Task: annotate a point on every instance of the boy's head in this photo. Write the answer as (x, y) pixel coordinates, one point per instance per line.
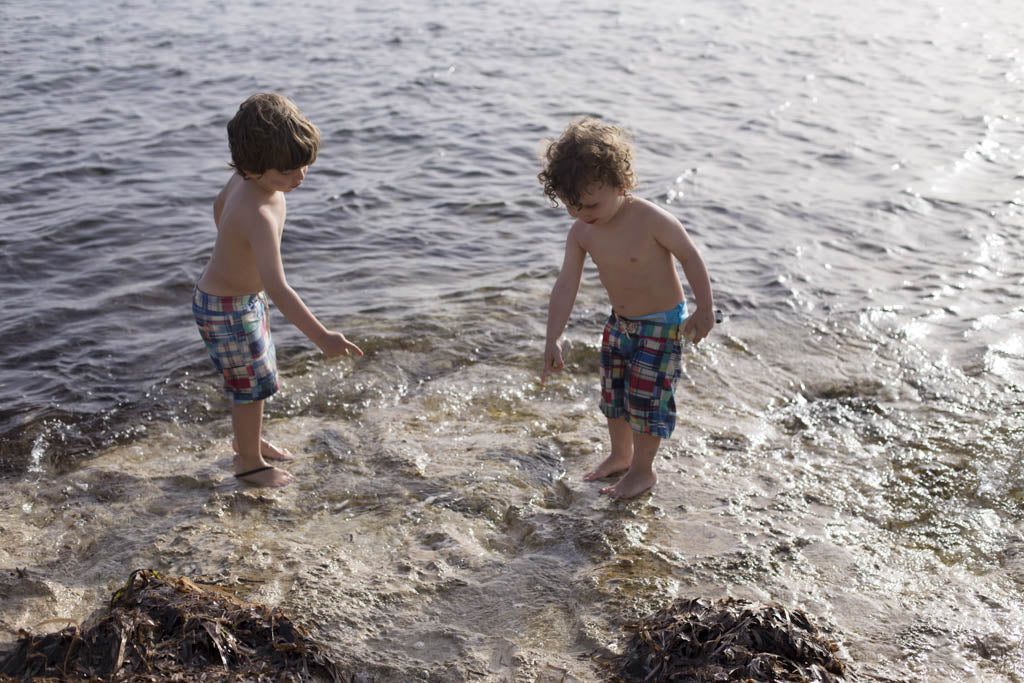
(270, 133)
(589, 153)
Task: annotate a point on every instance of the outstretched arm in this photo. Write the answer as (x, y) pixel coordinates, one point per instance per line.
(673, 236)
(267, 251)
(563, 296)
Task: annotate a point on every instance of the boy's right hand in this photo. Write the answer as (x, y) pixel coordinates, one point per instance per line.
(334, 344)
(552, 360)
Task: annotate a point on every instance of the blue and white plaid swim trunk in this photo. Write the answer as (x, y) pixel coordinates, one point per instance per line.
(236, 330)
(641, 359)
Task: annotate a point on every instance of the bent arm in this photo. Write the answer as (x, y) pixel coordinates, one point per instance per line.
(567, 286)
(673, 237)
(267, 252)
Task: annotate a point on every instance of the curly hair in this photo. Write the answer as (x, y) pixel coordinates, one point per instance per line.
(588, 152)
(269, 132)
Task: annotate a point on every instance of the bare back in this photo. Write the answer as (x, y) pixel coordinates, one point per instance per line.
(231, 270)
(637, 270)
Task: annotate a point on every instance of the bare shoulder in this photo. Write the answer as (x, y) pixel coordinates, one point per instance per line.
(649, 213)
(579, 235)
(667, 230)
(577, 230)
(247, 212)
(222, 197)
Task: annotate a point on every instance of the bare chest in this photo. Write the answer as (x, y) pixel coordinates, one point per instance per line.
(622, 249)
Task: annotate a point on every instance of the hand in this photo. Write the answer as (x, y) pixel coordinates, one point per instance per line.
(552, 360)
(699, 325)
(334, 344)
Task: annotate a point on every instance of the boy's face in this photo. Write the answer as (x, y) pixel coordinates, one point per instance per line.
(282, 181)
(598, 204)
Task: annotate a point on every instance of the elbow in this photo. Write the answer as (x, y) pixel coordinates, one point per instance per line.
(564, 291)
(559, 289)
(276, 290)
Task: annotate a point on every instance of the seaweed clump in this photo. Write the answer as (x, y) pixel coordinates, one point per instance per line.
(162, 628)
(727, 640)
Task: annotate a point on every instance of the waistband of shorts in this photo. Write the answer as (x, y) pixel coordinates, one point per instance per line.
(223, 304)
(673, 316)
(644, 328)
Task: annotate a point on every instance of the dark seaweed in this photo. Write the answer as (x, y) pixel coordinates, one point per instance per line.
(726, 640)
(162, 628)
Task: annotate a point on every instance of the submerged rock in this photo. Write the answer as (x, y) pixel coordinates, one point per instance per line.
(160, 628)
(727, 640)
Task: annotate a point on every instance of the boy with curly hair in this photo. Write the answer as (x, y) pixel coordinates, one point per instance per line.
(634, 244)
(272, 146)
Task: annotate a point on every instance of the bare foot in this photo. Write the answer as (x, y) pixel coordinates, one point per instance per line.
(268, 450)
(631, 485)
(609, 467)
(264, 476)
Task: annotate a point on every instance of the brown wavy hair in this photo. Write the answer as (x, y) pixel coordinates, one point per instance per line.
(587, 152)
(269, 132)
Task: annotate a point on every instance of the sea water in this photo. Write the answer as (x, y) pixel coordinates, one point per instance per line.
(848, 440)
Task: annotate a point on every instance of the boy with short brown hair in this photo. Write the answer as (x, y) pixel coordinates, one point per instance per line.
(272, 145)
(634, 244)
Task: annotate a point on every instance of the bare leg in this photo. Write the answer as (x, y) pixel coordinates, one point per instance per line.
(640, 475)
(247, 421)
(268, 450)
(622, 451)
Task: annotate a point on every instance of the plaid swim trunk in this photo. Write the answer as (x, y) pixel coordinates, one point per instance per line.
(237, 335)
(640, 363)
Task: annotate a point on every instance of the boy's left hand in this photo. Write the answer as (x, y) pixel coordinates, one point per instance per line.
(699, 325)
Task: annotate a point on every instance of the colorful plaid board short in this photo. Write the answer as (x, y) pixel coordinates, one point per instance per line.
(640, 363)
(237, 335)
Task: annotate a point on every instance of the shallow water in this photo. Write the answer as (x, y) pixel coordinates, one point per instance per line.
(849, 438)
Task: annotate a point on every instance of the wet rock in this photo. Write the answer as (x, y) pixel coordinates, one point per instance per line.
(729, 442)
(705, 640)
(335, 445)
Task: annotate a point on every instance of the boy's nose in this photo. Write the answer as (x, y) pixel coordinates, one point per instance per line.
(302, 172)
